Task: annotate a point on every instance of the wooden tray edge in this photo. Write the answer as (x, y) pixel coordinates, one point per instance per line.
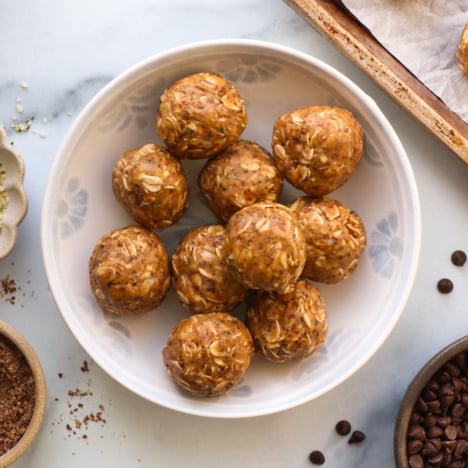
(363, 50)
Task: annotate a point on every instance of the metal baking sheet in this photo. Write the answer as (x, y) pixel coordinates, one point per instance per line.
(332, 20)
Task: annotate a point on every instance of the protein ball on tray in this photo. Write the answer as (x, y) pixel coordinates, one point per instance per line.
(462, 51)
(287, 326)
(265, 246)
(241, 175)
(317, 148)
(207, 354)
(129, 271)
(335, 238)
(200, 115)
(201, 279)
(150, 184)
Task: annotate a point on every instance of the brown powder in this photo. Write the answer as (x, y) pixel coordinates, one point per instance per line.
(17, 394)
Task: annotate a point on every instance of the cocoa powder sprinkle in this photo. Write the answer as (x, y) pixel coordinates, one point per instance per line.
(17, 394)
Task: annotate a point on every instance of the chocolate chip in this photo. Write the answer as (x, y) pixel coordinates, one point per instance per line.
(445, 286)
(416, 432)
(414, 446)
(458, 258)
(356, 437)
(317, 457)
(438, 432)
(416, 461)
(343, 427)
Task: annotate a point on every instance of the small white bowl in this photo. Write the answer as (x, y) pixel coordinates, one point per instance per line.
(12, 165)
(79, 207)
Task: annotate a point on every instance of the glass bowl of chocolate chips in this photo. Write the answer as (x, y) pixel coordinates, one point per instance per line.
(431, 428)
(22, 394)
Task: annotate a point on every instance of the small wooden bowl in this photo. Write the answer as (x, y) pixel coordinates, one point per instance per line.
(40, 398)
(412, 394)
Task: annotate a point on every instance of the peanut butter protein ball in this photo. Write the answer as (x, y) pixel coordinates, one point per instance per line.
(462, 52)
(200, 115)
(201, 279)
(335, 238)
(265, 246)
(207, 354)
(317, 148)
(129, 271)
(150, 184)
(287, 326)
(241, 175)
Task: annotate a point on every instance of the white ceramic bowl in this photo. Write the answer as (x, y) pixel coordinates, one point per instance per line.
(79, 207)
(11, 164)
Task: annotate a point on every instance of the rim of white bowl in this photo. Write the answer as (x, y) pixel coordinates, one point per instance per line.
(288, 52)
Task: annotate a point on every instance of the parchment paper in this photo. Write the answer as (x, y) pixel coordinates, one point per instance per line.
(423, 35)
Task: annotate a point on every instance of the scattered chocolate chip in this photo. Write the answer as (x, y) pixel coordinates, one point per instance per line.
(317, 457)
(343, 427)
(356, 437)
(445, 286)
(458, 258)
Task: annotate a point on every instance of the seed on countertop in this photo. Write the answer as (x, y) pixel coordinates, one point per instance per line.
(356, 437)
(445, 285)
(458, 258)
(317, 458)
(343, 427)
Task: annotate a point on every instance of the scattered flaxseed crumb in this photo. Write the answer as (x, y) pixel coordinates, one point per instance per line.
(79, 414)
(60, 375)
(8, 289)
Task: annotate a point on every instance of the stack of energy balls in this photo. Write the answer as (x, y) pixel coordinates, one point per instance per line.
(262, 252)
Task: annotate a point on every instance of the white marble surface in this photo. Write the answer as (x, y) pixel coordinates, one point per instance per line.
(66, 51)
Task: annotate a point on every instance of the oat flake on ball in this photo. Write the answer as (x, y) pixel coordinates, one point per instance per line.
(200, 115)
(200, 276)
(151, 186)
(207, 354)
(129, 271)
(287, 326)
(317, 148)
(243, 174)
(265, 246)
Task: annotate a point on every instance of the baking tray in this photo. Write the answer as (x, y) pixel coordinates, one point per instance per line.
(332, 20)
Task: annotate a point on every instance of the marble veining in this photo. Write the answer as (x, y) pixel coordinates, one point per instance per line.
(66, 52)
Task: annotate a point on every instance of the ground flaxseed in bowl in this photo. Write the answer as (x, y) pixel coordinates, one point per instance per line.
(22, 395)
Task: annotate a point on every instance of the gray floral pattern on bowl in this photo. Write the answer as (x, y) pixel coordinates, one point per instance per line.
(386, 247)
(72, 208)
